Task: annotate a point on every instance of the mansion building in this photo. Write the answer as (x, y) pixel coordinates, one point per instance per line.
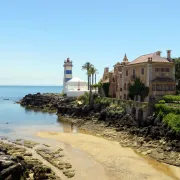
(156, 72)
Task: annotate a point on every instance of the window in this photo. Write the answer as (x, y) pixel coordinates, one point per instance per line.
(158, 87)
(134, 72)
(120, 69)
(156, 69)
(167, 88)
(126, 72)
(162, 69)
(125, 86)
(124, 96)
(154, 87)
(163, 87)
(120, 89)
(171, 87)
(166, 69)
(142, 71)
(120, 75)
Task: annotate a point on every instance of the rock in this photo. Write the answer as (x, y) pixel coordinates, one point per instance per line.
(27, 154)
(144, 153)
(70, 174)
(149, 151)
(68, 166)
(12, 167)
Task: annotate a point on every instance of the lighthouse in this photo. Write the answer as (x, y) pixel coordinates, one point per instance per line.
(67, 73)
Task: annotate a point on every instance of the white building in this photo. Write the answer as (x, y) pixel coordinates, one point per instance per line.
(76, 87)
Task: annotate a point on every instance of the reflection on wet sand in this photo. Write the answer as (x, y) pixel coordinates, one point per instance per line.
(69, 128)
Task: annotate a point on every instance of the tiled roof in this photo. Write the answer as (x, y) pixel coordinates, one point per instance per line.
(144, 58)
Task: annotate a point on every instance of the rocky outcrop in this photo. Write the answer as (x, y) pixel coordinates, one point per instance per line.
(151, 128)
(44, 102)
(55, 157)
(16, 163)
(12, 167)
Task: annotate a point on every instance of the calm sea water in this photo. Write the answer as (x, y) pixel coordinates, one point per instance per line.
(16, 120)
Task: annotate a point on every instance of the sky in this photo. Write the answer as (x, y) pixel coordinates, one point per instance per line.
(36, 36)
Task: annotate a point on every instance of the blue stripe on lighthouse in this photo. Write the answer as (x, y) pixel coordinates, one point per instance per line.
(67, 79)
(68, 71)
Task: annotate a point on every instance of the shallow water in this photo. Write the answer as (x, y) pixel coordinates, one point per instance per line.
(16, 121)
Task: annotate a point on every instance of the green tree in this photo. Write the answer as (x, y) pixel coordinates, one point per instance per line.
(86, 67)
(96, 72)
(177, 72)
(138, 88)
(89, 73)
(92, 73)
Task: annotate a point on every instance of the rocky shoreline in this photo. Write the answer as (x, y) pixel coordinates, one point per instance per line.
(19, 161)
(16, 162)
(150, 137)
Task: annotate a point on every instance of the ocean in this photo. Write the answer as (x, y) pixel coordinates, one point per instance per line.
(16, 121)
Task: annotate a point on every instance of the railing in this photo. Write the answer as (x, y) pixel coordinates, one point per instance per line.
(161, 93)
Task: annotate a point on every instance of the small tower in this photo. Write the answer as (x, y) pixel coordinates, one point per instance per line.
(125, 58)
(67, 73)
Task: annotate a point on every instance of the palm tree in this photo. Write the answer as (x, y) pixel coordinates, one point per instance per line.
(86, 67)
(89, 73)
(92, 71)
(96, 72)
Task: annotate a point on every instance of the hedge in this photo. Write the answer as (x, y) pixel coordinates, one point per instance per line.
(171, 98)
(173, 121)
(166, 109)
(162, 102)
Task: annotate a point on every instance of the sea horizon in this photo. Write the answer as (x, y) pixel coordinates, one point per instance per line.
(30, 85)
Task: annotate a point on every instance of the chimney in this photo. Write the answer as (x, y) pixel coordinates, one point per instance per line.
(169, 54)
(158, 53)
(106, 69)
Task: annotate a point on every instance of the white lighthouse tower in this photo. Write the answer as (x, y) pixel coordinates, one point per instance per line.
(67, 73)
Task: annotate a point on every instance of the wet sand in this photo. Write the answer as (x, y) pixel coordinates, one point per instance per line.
(86, 168)
(107, 159)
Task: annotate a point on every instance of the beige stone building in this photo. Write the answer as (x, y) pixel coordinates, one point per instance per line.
(155, 71)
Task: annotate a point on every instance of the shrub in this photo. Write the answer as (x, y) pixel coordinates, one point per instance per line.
(103, 101)
(173, 121)
(171, 98)
(84, 98)
(162, 102)
(166, 109)
(161, 115)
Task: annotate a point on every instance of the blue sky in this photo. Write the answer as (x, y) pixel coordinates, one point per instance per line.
(37, 35)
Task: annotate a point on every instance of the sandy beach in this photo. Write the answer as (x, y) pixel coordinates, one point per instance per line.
(118, 162)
